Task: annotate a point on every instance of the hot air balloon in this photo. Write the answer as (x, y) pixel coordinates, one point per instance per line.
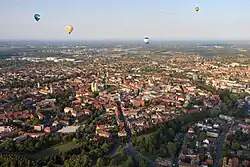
(146, 40)
(68, 29)
(37, 17)
(197, 9)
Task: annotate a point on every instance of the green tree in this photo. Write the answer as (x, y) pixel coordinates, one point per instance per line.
(38, 145)
(142, 163)
(203, 136)
(113, 162)
(224, 146)
(130, 162)
(235, 146)
(171, 148)
(100, 162)
(120, 149)
(105, 147)
(74, 140)
(78, 161)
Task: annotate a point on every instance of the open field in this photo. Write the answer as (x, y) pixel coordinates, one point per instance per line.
(52, 150)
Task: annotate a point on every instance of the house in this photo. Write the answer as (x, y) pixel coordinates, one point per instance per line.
(212, 134)
(40, 116)
(163, 162)
(138, 103)
(105, 134)
(122, 133)
(76, 113)
(68, 109)
(50, 129)
(34, 135)
(5, 129)
(69, 129)
(191, 130)
(245, 128)
(39, 127)
(20, 138)
(187, 165)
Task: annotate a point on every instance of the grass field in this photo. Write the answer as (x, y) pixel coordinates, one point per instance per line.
(145, 135)
(52, 150)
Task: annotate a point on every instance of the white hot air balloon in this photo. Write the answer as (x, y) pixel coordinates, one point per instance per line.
(146, 40)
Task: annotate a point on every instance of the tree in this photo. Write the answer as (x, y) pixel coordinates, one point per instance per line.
(171, 132)
(65, 138)
(74, 140)
(113, 162)
(100, 162)
(203, 136)
(130, 162)
(171, 148)
(224, 153)
(163, 151)
(105, 147)
(224, 146)
(142, 163)
(235, 146)
(38, 145)
(120, 149)
(78, 161)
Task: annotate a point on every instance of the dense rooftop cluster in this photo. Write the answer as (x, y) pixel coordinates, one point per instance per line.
(100, 98)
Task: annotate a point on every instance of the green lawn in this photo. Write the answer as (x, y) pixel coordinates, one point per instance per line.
(66, 146)
(145, 135)
(52, 150)
(119, 157)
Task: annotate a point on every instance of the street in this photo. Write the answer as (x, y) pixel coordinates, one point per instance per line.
(219, 144)
(129, 147)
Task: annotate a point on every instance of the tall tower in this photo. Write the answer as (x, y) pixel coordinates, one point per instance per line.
(46, 87)
(106, 77)
(92, 87)
(119, 97)
(51, 88)
(96, 88)
(107, 74)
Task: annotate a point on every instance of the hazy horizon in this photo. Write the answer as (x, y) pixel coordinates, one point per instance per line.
(219, 41)
(116, 20)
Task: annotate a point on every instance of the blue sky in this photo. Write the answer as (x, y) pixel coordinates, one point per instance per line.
(125, 19)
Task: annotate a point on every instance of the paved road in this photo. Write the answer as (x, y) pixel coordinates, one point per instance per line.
(129, 147)
(131, 151)
(219, 144)
(184, 144)
(114, 150)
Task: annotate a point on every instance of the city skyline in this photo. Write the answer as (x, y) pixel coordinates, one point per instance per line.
(125, 20)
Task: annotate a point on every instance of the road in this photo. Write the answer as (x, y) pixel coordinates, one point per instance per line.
(219, 144)
(184, 144)
(131, 151)
(122, 118)
(129, 147)
(114, 150)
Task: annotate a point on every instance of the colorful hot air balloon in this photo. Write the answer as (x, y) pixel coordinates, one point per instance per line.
(37, 17)
(146, 40)
(197, 9)
(68, 29)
